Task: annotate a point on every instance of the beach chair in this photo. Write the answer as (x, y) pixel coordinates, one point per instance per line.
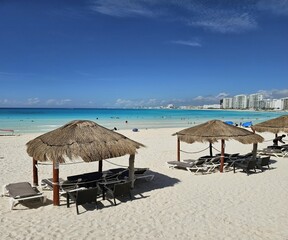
(123, 174)
(246, 166)
(21, 191)
(65, 186)
(181, 165)
(86, 180)
(120, 189)
(213, 163)
(143, 173)
(201, 165)
(83, 196)
(192, 165)
(263, 162)
(279, 153)
(243, 156)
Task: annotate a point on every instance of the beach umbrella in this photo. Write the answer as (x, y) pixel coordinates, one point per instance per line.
(229, 122)
(79, 139)
(215, 130)
(275, 125)
(247, 124)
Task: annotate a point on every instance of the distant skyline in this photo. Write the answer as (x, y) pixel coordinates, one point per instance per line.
(125, 53)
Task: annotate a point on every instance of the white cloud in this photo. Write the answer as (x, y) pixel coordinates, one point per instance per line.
(226, 22)
(122, 8)
(279, 7)
(58, 102)
(225, 17)
(274, 93)
(153, 102)
(33, 101)
(4, 101)
(222, 95)
(187, 43)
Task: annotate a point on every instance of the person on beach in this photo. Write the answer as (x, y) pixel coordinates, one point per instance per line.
(278, 139)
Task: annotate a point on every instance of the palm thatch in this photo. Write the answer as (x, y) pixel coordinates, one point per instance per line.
(81, 138)
(275, 125)
(215, 130)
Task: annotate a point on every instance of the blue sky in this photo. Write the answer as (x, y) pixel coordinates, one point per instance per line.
(125, 53)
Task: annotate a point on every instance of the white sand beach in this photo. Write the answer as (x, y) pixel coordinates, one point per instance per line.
(177, 204)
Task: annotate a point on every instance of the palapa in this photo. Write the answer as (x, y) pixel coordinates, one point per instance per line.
(215, 130)
(275, 125)
(79, 139)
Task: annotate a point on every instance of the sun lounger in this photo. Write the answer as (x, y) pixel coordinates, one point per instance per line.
(283, 152)
(64, 186)
(181, 165)
(123, 174)
(214, 163)
(21, 191)
(86, 180)
(192, 166)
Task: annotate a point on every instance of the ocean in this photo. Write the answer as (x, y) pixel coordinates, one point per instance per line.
(41, 120)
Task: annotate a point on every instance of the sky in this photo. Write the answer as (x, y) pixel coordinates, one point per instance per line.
(144, 53)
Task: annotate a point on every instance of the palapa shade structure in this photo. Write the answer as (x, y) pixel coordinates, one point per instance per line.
(275, 125)
(215, 130)
(79, 139)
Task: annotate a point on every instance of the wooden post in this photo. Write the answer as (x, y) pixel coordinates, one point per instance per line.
(222, 155)
(210, 148)
(255, 145)
(56, 199)
(100, 166)
(131, 170)
(178, 149)
(35, 173)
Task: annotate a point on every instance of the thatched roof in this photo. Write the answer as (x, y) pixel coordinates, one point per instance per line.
(215, 130)
(275, 125)
(81, 138)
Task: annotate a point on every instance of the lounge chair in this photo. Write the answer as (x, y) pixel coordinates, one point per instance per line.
(191, 166)
(181, 165)
(86, 180)
(213, 163)
(123, 174)
(82, 197)
(283, 152)
(263, 162)
(247, 155)
(229, 155)
(246, 166)
(21, 191)
(119, 189)
(141, 173)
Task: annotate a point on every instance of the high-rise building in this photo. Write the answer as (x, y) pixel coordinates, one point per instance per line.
(240, 101)
(227, 103)
(285, 103)
(254, 101)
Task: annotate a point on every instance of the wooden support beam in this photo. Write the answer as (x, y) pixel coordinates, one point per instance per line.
(56, 197)
(178, 149)
(222, 155)
(131, 170)
(35, 173)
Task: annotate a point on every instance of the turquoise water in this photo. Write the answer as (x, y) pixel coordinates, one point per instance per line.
(28, 120)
